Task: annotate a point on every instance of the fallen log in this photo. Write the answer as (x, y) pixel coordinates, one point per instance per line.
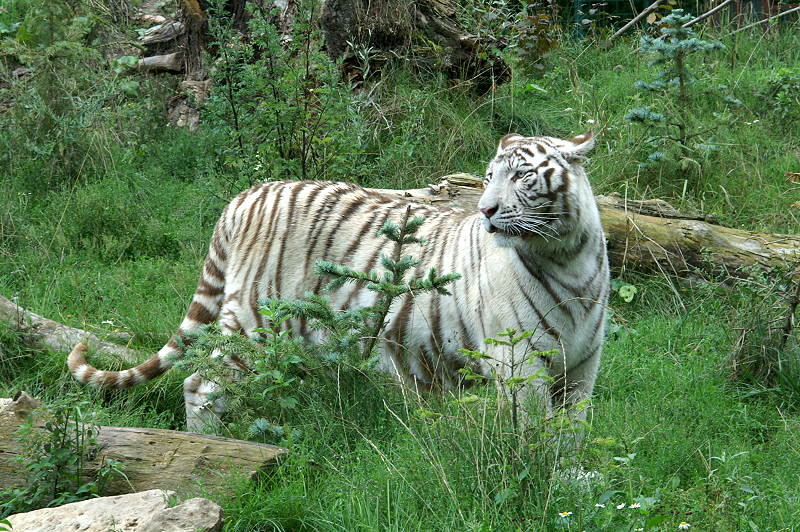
(652, 236)
(170, 62)
(42, 333)
(151, 458)
(163, 32)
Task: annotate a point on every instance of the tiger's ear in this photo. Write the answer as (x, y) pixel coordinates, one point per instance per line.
(507, 140)
(576, 148)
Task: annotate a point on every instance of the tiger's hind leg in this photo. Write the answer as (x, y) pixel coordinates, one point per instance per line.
(203, 410)
(204, 403)
(571, 395)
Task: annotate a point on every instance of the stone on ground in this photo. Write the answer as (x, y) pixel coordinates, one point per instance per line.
(145, 511)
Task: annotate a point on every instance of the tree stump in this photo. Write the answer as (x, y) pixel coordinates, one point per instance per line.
(426, 32)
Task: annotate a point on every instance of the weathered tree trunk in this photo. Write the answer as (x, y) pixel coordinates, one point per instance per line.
(651, 236)
(193, 40)
(170, 62)
(163, 32)
(151, 458)
(43, 333)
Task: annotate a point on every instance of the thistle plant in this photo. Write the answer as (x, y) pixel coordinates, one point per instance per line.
(670, 122)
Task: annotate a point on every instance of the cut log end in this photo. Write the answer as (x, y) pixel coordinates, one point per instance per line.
(169, 62)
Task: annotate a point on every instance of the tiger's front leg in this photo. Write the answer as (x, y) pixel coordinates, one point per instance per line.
(577, 386)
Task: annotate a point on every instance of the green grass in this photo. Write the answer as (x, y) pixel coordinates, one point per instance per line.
(112, 241)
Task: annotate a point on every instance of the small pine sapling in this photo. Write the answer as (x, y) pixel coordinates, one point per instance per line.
(367, 323)
(671, 126)
(265, 394)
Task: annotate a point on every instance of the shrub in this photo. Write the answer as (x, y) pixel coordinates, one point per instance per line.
(278, 100)
(56, 457)
(783, 92)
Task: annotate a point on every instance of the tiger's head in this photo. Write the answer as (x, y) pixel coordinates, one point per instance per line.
(535, 188)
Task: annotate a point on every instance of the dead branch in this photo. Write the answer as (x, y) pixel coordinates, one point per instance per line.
(43, 333)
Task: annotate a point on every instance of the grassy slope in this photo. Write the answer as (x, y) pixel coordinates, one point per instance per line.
(124, 245)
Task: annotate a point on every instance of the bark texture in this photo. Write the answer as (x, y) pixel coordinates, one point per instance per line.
(426, 32)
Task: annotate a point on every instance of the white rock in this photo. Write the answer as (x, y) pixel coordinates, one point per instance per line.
(145, 511)
(200, 513)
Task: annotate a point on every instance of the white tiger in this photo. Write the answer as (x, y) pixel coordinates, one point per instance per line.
(533, 258)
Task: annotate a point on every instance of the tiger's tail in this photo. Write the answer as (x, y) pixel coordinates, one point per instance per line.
(204, 309)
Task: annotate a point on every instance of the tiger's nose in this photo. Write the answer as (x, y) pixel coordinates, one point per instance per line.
(489, 211)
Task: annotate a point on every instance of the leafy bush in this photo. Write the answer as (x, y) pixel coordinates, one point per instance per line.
(528, 31)
(783, 91)
(278, 100)
(11, 15)
(70, 113)
(51, 120)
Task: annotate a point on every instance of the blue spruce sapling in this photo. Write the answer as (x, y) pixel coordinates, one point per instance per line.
(671, 126)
